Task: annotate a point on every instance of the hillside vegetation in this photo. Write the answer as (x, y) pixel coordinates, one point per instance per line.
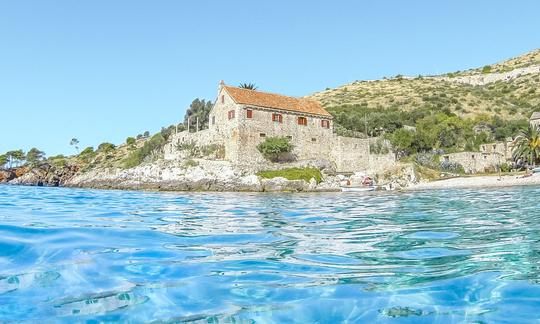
(515, 98)
(447, 111)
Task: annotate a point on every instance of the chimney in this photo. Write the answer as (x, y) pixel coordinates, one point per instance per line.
(220, 86)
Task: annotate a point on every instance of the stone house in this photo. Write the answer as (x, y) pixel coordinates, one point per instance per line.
(242, 118)
(535, 119)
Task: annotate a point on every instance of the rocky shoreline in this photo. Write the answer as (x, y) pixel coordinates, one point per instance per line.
(165, 176)
(222, 176)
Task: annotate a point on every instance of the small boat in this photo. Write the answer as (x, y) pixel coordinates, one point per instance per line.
(357, 188)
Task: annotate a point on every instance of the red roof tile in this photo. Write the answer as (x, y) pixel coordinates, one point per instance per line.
(276, 101)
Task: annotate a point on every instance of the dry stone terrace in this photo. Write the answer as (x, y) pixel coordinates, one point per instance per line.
(242, 118)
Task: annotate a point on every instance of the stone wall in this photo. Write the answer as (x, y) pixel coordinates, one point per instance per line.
(201, 138)
(475, 162)
(504, 149)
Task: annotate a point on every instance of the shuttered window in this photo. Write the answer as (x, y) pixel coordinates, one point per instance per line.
(325, 123)
(302, 121)
(230, 114)
(277, 118)
(249, 113)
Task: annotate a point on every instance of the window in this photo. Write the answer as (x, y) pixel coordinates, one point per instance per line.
(302, 121)
(222, 98)
(262, 135)
(325, 123)
(277, 118)
(313, 139)
(213, 120)
(249, 113)
(230, 114)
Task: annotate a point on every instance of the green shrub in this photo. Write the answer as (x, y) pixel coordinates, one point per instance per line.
(486, 69)
(453, 167)
(191, 163)
(130, 141)
(58, 160)
(505, 167)
(273, 147)
(293, 174)
(106, 147)
(150, 149)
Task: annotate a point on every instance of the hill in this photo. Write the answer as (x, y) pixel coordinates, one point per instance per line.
(508, 89)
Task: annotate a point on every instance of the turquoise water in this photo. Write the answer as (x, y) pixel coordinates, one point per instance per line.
(74, 255)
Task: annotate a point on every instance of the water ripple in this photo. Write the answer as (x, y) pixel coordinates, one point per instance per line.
(74, 255)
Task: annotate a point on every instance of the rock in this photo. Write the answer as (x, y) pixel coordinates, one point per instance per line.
(312, 184)
(7, 175)
(46, 175)
(282, 184)
(330, 183)
(402, 176)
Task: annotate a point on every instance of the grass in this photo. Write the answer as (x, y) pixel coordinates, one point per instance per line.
(293, 174)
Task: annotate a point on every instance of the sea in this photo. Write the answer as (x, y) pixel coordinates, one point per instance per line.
(438, 256)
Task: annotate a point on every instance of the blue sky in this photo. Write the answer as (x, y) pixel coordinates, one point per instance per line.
(103, 70)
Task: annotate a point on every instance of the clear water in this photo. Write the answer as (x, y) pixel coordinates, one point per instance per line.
(73, 255)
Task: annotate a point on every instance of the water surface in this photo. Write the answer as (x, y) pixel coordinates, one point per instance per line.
(74, 255)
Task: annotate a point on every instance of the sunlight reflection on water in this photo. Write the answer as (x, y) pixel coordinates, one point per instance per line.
(450, 256)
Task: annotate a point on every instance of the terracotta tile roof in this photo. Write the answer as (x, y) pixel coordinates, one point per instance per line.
(276, 101)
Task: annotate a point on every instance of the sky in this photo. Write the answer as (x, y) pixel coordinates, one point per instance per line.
(104, 70)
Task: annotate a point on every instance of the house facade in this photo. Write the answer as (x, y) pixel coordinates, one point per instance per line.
(242, 118)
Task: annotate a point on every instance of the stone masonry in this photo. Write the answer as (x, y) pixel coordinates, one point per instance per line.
(241, 119)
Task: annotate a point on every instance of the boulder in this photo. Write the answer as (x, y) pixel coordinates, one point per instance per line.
(282, 184)
(7, 175)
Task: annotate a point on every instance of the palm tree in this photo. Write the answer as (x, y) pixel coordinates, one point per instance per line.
(248, 86)
(527, 145)
(75, 142)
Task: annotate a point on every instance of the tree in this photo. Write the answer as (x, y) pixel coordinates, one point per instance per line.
(3, 161)
(199, 109)
(34, 157)
(402, 140)
(75, 142)
(272, 147)
(15, 158)
(248, 86)
(146, 134)
(527, 145)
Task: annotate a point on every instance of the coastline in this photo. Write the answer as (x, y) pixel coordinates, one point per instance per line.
(491, 181)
